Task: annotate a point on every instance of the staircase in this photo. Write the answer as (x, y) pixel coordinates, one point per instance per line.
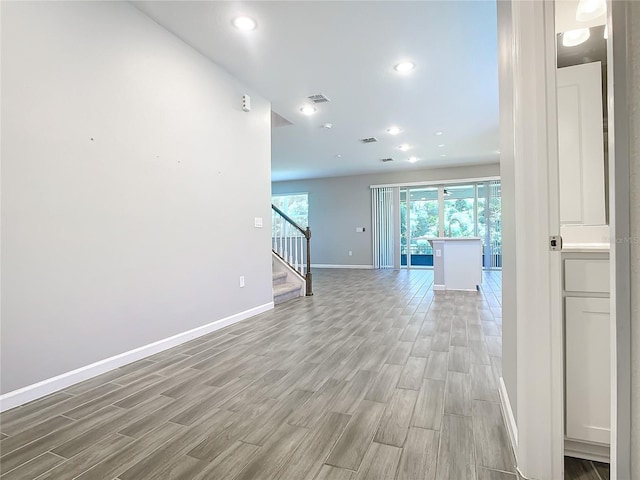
(291, 258)
(283, 290)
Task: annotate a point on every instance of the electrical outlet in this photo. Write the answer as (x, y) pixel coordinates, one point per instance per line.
(350, 253)
(242, 282)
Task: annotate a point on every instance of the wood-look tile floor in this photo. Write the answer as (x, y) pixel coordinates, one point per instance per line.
(374, 377)
(578, 469)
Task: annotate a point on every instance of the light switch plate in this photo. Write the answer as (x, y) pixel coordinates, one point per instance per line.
(438, 253)
(257, 222)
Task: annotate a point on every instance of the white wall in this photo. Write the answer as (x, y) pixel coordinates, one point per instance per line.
(508, 185)
(123, 150)
(338, 205)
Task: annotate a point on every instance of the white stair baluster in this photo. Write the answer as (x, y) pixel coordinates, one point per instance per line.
(274, 228)
(280, 237)
(295, 256)
(286, 238)
(300, 260)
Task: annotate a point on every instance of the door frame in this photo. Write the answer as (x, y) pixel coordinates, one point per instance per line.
(527, 57)
(620, 254)
(532, 391)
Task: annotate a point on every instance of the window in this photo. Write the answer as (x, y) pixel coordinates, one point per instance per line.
(459, 210)
(295, 206)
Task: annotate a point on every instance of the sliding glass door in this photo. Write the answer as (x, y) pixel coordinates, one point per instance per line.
(419, 220)
(464, 210)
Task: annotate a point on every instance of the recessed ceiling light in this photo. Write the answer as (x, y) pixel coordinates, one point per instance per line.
(443, 155)
(327, 126)
(438, 133)
(338, 156)
(441, 145)
(413, 159)
(246, 24)
(393, 130)
(308, 110)
(404, 67)
(575, 37)
(404, 147)
(590, 9)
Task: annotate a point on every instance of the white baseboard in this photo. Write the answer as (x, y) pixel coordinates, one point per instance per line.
(37, 390)
(444, 288)
(587, 451)
(509, 419)
(326, 265)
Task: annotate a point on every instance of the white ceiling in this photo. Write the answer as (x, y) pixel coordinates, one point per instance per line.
(346, 50)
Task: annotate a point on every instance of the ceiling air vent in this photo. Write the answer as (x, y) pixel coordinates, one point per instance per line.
(318, 98)
(369, 140)
(387, 160)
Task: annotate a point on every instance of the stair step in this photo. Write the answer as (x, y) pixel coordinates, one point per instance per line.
(285, 288)
(285, 291)
(279, 278)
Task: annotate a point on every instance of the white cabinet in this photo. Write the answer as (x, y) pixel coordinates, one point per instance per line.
(457, 263)
(581, 145)
(587, 369)
(586, 275)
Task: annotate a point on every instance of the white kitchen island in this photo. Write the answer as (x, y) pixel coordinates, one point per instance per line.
(457, 263)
